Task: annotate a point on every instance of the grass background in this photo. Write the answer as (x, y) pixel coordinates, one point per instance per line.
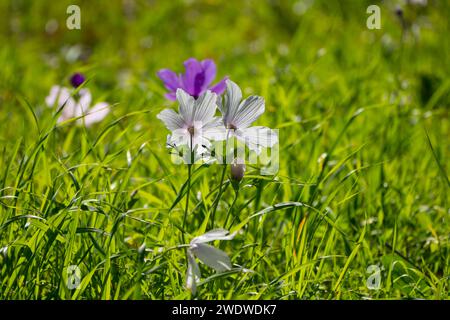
(376, 102)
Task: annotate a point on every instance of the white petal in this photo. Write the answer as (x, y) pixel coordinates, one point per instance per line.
(231, 100)
(216, 234)
(65, 94)
(69, 106)
(171, 119)
(192, 274)
(186, 108)
(257, 137)
(212, 257)
(96, 114)
(179, 137)
(52, 96)
(215, 130)
(85, 99)
(205, 107)
(249, 110)
(60, 95)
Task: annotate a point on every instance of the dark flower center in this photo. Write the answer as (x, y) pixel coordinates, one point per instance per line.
(191, 130)
(231, 126)
(77, 79)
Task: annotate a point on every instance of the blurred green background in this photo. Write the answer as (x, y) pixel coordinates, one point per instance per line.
(376, 101)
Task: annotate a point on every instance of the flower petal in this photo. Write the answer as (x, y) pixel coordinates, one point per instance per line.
(68, 111)
(170, 79)
(219, 87)
(193, 273)
(186, 108)
(85, 99)
(249, 110)
(209, 69)
(179, 137)
(231, 101)
(171, 96)
(96, 114)
(215, 130)
(52, 96)
(216, 234)
(205, 107)
(257, 137)
(194, 76)
(171, 119)
(212, 257)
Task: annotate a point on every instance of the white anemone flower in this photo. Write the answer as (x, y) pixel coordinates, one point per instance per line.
(238, 116)
(195, 123)
(77, 106)
(212, 257)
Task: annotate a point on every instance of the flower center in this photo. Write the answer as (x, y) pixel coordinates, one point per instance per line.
(76, 80)
(191, 130)
(231, 126)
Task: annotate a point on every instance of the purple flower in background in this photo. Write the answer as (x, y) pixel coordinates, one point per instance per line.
(195, 81)
(76, 80)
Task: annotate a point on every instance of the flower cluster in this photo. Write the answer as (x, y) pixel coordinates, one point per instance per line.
(76, 104)
(196, 125)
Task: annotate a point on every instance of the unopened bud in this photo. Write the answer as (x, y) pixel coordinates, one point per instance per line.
(237, 170)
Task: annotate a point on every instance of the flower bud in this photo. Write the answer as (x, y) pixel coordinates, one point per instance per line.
(237, 170)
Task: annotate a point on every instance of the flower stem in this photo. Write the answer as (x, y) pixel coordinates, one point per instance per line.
(187, 199)
(188, 192)
(219, 195)
(229, 211)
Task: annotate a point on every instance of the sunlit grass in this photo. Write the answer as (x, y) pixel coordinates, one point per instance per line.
(363, 129)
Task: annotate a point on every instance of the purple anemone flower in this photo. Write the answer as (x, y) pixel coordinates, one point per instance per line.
(195, 81)
(76, 79)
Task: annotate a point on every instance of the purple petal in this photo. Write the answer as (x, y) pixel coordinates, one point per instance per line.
(219, 87)
(170, 79)
(194, 77)
(209, 68)
(171, 96)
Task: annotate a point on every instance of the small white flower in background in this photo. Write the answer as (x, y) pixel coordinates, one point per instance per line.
(195, 121)
(418, 2)
(76, 105)
(212, 257)
(238, 116)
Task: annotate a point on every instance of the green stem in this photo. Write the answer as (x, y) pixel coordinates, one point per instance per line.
(219, 195)
(188, 192)
(187, 198)
(230, 210)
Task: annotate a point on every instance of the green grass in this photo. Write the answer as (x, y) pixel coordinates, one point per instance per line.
(364, 152)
